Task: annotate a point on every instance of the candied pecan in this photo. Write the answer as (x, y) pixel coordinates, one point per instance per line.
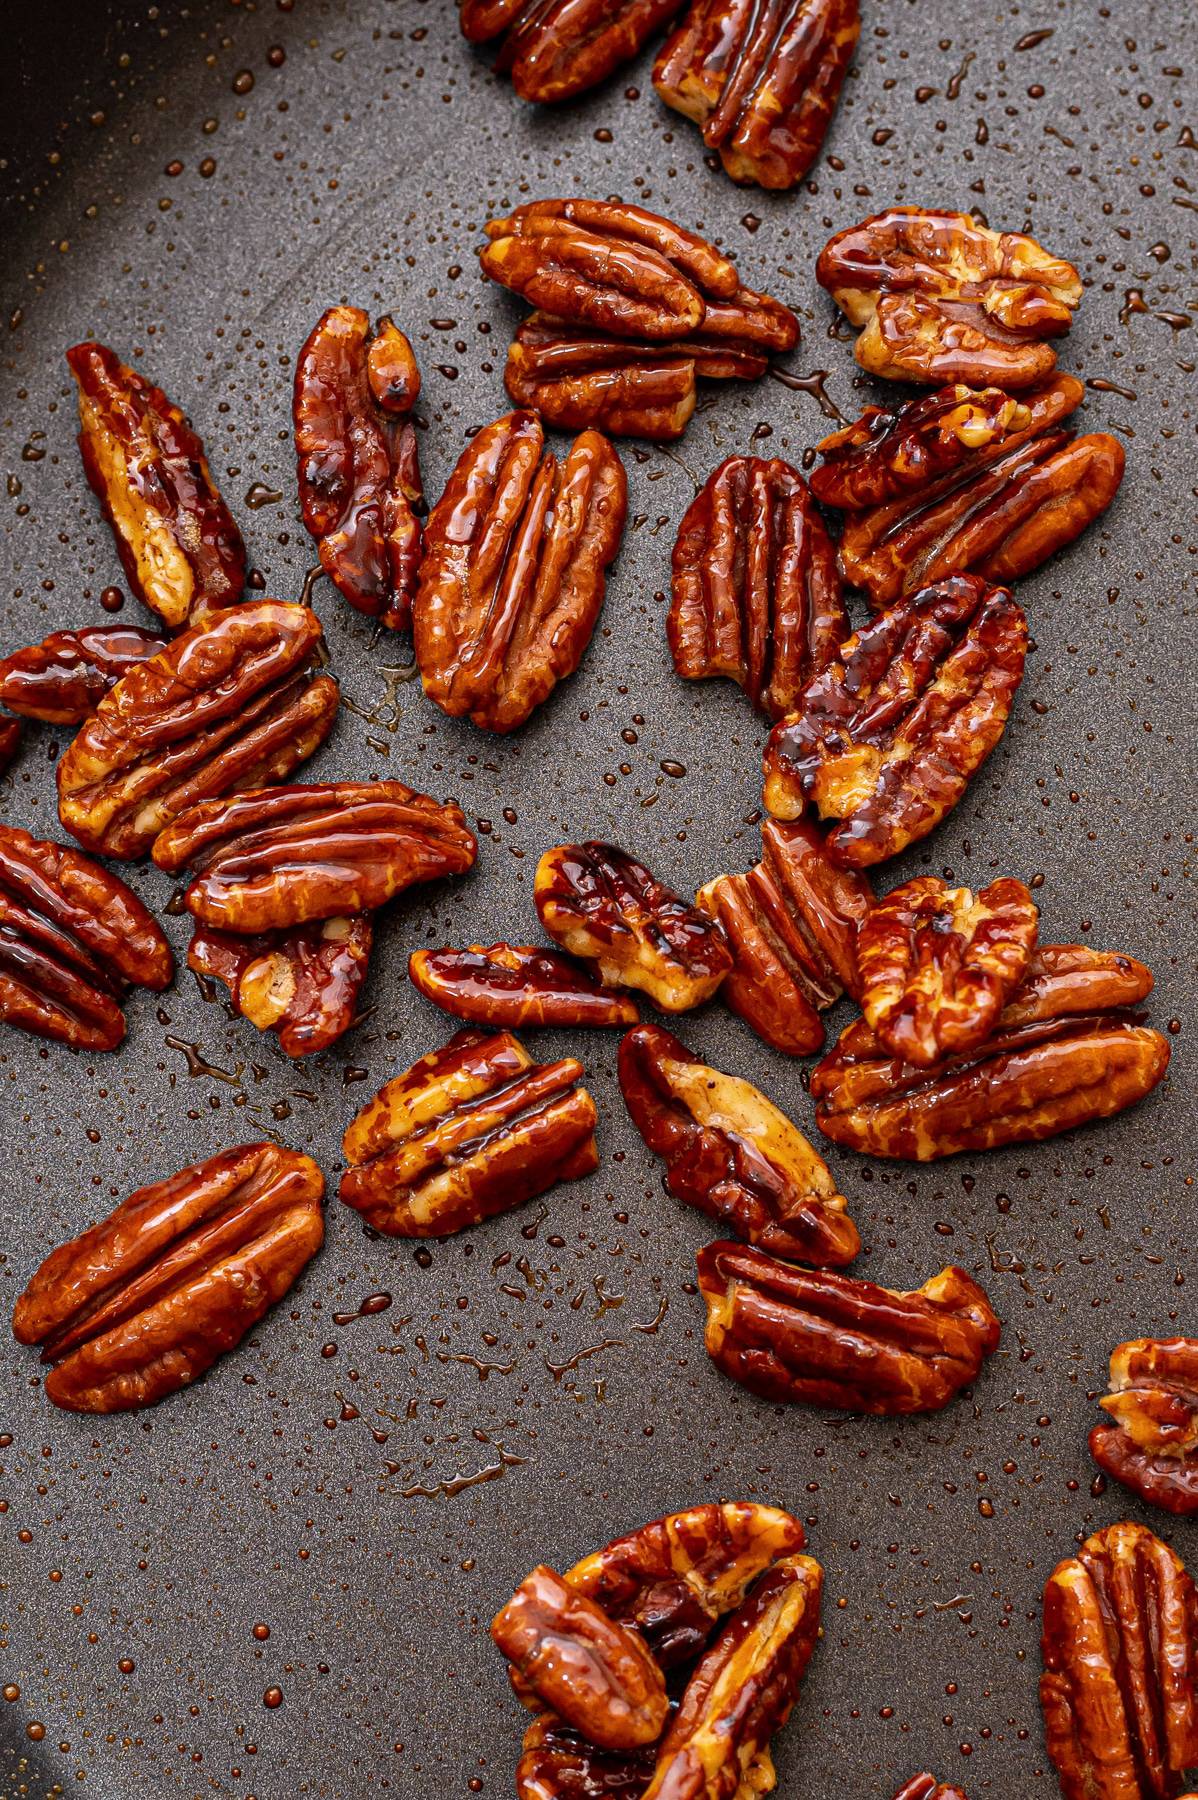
(359, 467)
(886, 737)
(937, 965)
(143, 1303)
(1066, 1049)
(942, 298)
(281, 856)
(513, 985)
(65, 677)
(762, 81)
(473, 1129)
(73, 939)
(732, 1154)
(1119, 1690)
(607, 909)
(514, 570)
(10, 741)
(1152, 1446)
(756, 593)
(926, 1787)
(179, 546)
(302, 984)
(555, 49)
(559, 1763)
(224, 706)
(797, 1334)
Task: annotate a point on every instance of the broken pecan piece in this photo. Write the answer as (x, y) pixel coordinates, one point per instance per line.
(73, 938)
(359, 466)
(798, 1334)
(225, 706)
(942, 298)
(756, 592)
(1067, 1048)
(281, 856)
(761, 81)
(514, 985)
(473, 1129)
(302, 984)
(179, 547)
(732, 1154)
(1152, 1444)
(559, 1763)
(514, 570)
(143, 1303)
(926, 1787)
(555, 49)
(65, 677)
(1119, 1690)
(606, 908)
(886, 738)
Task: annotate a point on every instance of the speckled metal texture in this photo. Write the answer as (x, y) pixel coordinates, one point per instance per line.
(194, 184)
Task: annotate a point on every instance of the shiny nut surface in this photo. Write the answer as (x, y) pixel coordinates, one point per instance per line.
(1151, 1444)
(792, 1334)
(64, 678)
(145, 1302)
(926, 1787)
(557, 1762)
(471, 1130)
(892, 451)
(577, 376)
(732, 1154)
(512, 985)
(302, 984)
(555, 49)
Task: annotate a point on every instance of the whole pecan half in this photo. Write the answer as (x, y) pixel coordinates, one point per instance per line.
(926, 1787)
(73, 939)
(514, 570)
(225, 706)
(473, 1129)
(756, 593)
(937, 965)
(799, 1334)
(1152, 1444)
(516, 984)
(1067, 1048)
(558, 1762)
(143, 1303)
(555, 49)
(302, 984)
(606, 908)
(281, 856)
(179, 546)
(359, 466)
(886, 737)
(65, 677)
(762, 81)
(732, 1154)
(1119, 1690)
(942, 298)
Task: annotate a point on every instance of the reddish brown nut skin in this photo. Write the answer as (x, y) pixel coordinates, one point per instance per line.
(756, 593)
(302, 984)
(143, 1303)
(555, 49)
(512, 985)
(926, 1787)
(1119, 1690)
(276, 857)
(731, 1154)
(886, 738)
(10, 741)
(514, 570)
(73, 938)
(224, 706)
(64, 678)
(1151, 1444)
(762, 82)
(473, 1129)
(894, 451)
(558, 1763)
(791, 1334)
(179, 547)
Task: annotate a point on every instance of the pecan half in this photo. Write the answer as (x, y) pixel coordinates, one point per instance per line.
(942, 298)
(282, 856)
(471, 1130)
(514, 985)
(555, 49)
(886, 737)
(226, 706)
(65, 677)
(926, 1787)
(302, 984)
(762, 81)
(732, 1154)
(73, 939)
(1068, 1048)
(180, 549)
(756, 593)
(937, 964)
(797, 1334)
(514, 570)
(142, 1304)
(1152, 1444)
(1119, 1690)
(559, 1763)
(606, 908)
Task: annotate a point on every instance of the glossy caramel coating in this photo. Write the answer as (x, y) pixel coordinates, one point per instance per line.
(1151, 1441)
(64, 678)
(303, 984)
(513, 985)
(555, 49)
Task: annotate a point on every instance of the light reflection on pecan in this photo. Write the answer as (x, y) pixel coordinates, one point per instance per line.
(555, 49)
(558, 1763)
(64, 678)
(926, 1787)
(302, 984)
(516, 985)
(1152, 1444)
